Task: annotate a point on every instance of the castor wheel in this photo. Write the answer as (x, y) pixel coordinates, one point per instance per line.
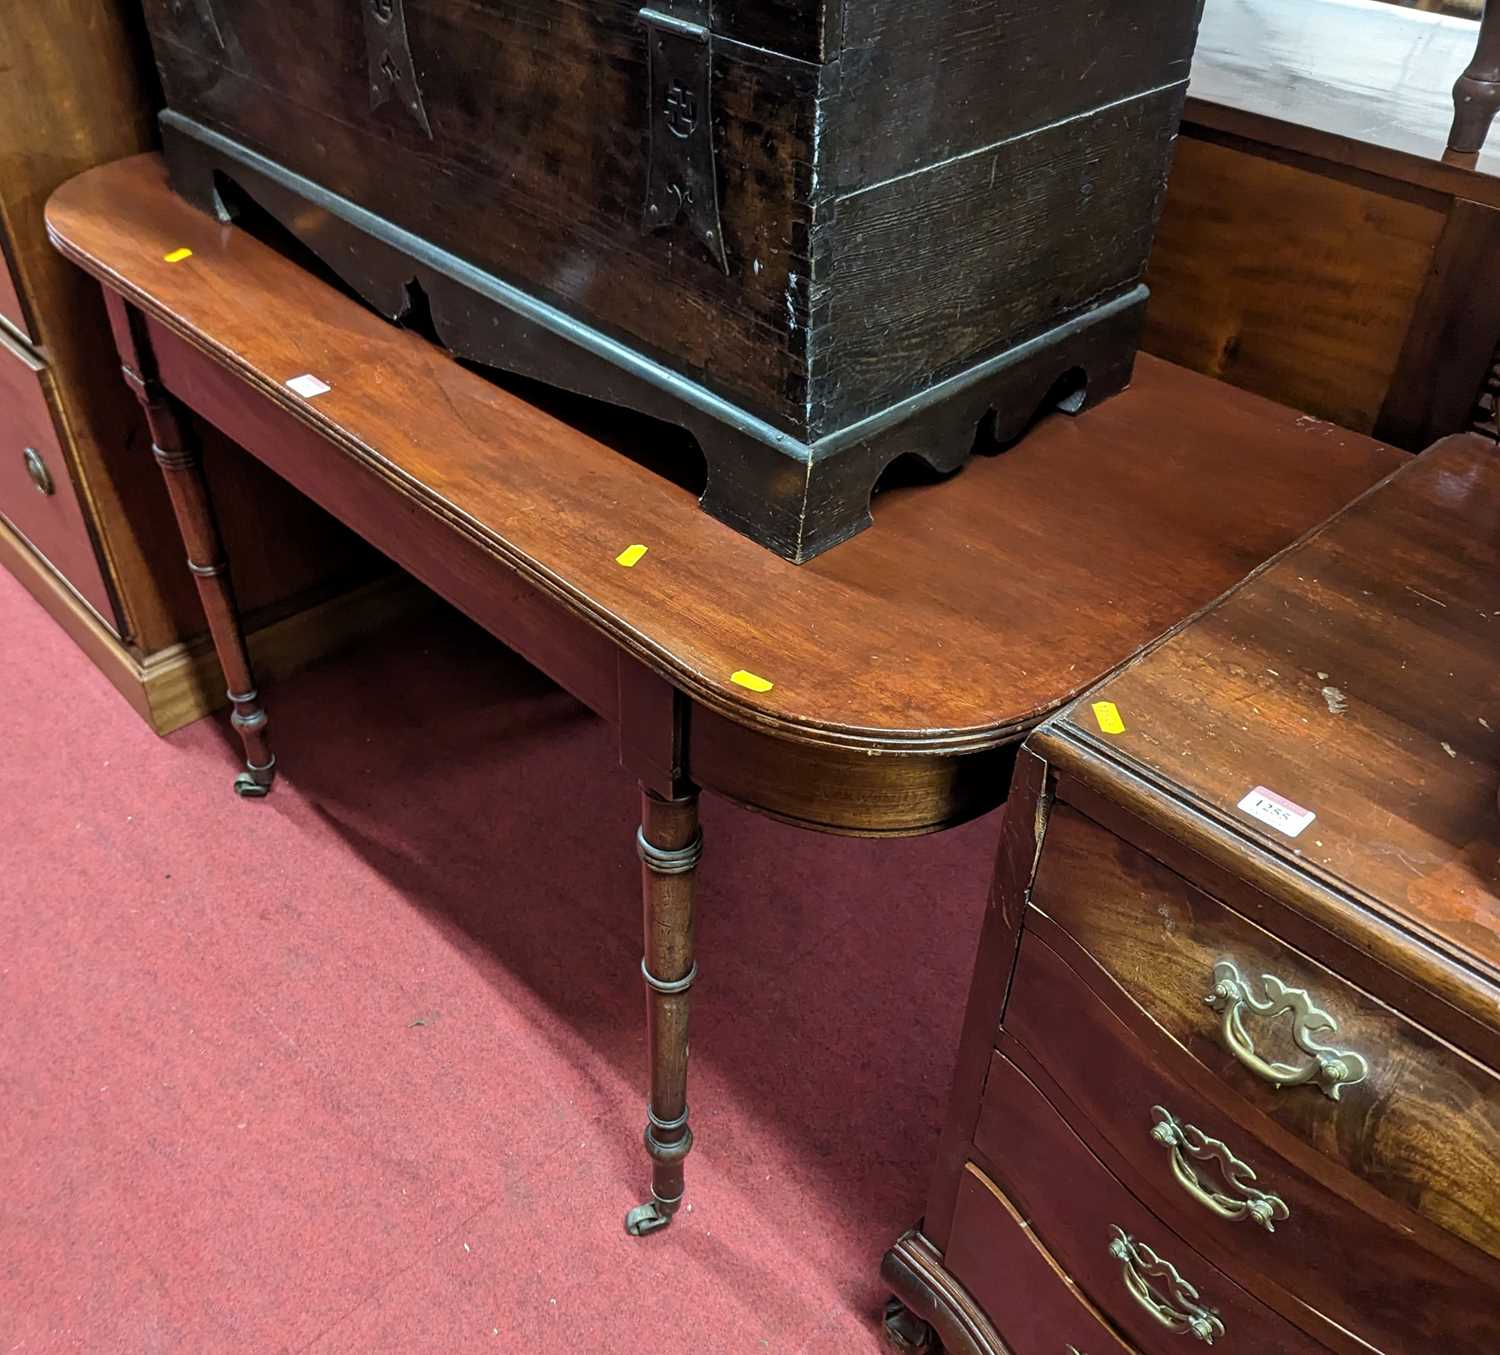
(254, 783)
(648, 1218)
(906, 1332)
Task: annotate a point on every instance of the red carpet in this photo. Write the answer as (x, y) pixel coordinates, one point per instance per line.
(360, 1067)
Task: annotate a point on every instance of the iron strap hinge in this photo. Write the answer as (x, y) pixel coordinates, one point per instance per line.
(393, 73)
(682, 182)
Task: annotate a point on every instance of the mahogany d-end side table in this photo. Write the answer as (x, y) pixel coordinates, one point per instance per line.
(881, 689)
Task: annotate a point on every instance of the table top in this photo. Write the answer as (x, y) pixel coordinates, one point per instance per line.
(1359, 82)
(1357, 677)
(972, 609)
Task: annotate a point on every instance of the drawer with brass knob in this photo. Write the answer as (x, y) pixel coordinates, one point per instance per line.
(1313, 1239)
(997, 1253)
(37, 495)
(1149, 1280)
(1368, 1089)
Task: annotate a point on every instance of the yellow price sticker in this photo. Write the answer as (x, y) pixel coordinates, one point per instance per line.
(750, 680)
(1108, 715)
(630, 557)
(178, 255)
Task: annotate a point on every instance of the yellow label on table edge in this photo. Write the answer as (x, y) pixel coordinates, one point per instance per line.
(630, 556)
(1108, 715)
(750, 680)
(178, 255)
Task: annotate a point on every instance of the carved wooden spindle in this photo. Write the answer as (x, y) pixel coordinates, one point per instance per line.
(181, 465)
(670, 843)
(1476, 96)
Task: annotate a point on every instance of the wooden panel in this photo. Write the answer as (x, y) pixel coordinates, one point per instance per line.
(1034, 1305)
(539, 136)
(806, 29)
(54, 523)
(1424, 1127)
(1342, 1239)
(1007, 243)
(1018, 592)
(1073, 1203)
(1285, 282)
(78, 92)
(1357, 677)
(1453, 335)
(921, 82)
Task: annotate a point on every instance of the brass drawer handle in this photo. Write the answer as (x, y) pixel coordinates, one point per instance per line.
(1246, 1201)
(36, 470)
(1180, 1311)
(1332, 1069)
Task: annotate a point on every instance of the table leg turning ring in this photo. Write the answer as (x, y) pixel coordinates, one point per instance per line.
(181, 466)
(670, 844)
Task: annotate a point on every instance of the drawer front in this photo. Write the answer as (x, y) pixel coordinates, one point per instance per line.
(1028, 1298)
(30, 451)
(1413, 1117)
(10, 300)
(1256, 1201)
(1163, 1296)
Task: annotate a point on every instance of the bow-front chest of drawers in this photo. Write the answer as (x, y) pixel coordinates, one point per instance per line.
(1229, 1067)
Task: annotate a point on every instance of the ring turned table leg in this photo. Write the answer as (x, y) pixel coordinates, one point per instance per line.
(1476, 96)
(670, 843)
(181, 464)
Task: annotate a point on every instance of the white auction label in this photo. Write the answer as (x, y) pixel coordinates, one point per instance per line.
(307, 386)
(1277, 811)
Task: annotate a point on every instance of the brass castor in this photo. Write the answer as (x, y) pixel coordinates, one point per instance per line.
(648, 1218)
(254, 783)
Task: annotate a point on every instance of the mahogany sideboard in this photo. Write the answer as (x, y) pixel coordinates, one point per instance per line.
(880, 689)
(92, 541)
(1229, 1068)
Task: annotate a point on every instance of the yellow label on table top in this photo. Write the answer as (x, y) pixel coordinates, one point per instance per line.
(178, 255)
(630, 557)
(1108, 715)
(750, 680)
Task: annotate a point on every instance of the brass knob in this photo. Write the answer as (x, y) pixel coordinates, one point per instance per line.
(36, 469)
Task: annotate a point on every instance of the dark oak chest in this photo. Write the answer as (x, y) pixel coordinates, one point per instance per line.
(819, 236)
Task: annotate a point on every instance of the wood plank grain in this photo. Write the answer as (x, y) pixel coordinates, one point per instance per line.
(539, 137)
(1356, 677)
(1286, 282)
(1008, 242)
(912, 99)
(1425, 1124)
(1021, 596)
(1453, 335)
(1106, 1066)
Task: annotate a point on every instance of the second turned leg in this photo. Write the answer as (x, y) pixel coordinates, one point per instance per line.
(670, 843)
(182, 467)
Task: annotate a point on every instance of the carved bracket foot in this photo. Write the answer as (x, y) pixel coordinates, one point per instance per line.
(906, 1332)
